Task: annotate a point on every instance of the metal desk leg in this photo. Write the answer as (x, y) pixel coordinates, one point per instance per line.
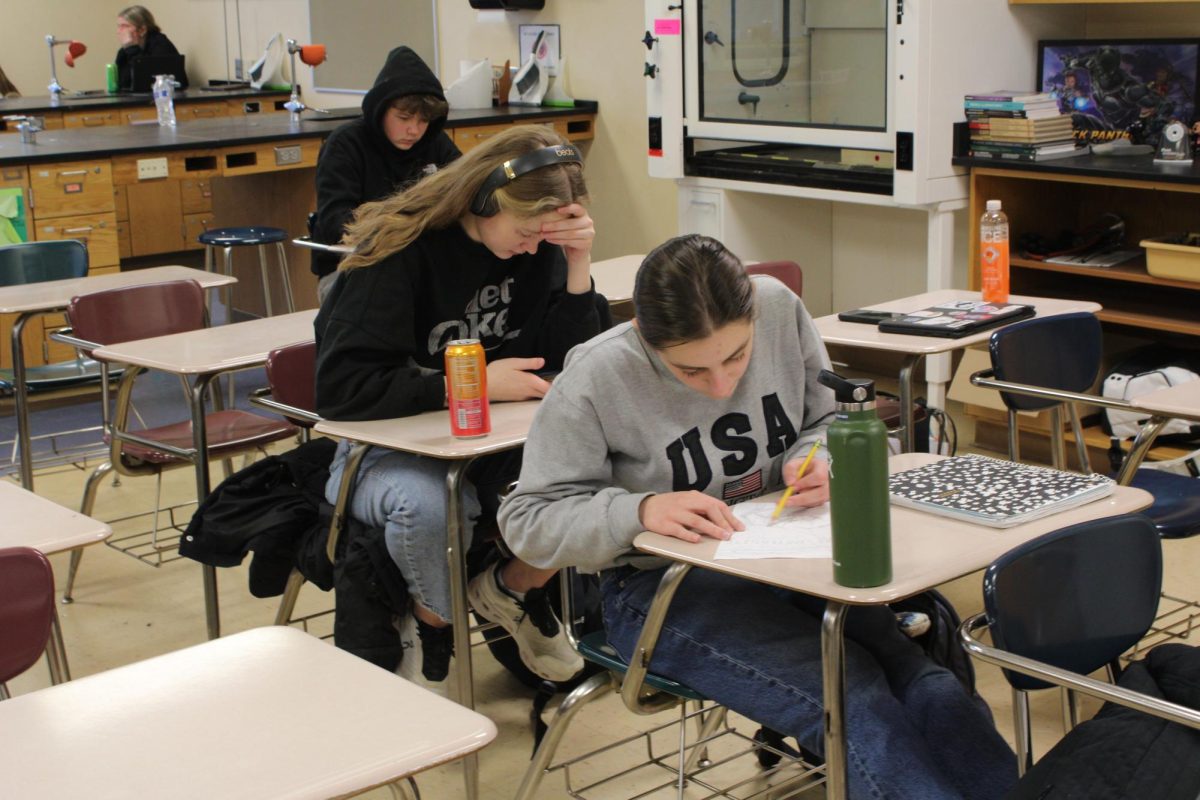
(56, 653)
(908, 441)
(457, 535)
(21, 401)
(833, 673)
(212, 608)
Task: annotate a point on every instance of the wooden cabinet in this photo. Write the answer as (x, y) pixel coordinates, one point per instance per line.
(1046, 203)
(77, 200)
(1137, 307)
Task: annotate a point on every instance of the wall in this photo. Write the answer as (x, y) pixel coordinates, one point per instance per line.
(844, 248)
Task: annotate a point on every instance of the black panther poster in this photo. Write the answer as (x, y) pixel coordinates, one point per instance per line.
(1123, 88)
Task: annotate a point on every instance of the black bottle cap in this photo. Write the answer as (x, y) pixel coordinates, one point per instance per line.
(848, 390)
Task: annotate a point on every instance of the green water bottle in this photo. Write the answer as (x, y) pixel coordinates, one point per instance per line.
(110, 78)
(858, 485)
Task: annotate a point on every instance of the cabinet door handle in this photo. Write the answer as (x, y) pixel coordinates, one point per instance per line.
(69, 172)
(90, 121)
(88, 229)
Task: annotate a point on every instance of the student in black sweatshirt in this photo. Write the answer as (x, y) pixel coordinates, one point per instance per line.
(398, 140)
(140, 35)
(495, 247)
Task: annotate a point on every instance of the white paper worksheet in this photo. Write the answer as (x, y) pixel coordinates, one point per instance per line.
(798, 533)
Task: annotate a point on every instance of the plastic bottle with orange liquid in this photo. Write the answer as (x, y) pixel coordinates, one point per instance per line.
(993, 254)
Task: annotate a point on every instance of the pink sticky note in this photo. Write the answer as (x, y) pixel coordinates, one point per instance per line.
(666, 27)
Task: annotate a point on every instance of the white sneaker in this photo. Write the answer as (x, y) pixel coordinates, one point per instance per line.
(410, 663)
(540, 638)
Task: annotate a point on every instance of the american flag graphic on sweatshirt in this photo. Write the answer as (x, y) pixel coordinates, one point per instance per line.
(744, 487)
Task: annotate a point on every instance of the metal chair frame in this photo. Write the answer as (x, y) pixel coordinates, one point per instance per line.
(1053, 674)
(227, 268)
(146, 546)
(689, 762)
(1179, 616)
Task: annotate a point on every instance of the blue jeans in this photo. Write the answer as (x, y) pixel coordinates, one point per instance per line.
(405, 494)
(912, 730)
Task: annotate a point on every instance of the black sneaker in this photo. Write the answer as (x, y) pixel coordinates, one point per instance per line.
(437, 646)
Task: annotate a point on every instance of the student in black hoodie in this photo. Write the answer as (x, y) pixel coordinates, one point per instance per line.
(140, 35)
(495, 247)
(398, 140)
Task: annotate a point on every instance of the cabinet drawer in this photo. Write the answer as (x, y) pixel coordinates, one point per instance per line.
(97, 231)
(91, 119)
(193, 226)
(197, 195)
(79, 187)
(142, 114)
(190, 111)
(469, 137)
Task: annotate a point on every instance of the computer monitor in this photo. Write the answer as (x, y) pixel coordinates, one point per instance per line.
(144, 68)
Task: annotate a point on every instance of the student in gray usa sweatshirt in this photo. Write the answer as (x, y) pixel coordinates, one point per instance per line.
(708, 398)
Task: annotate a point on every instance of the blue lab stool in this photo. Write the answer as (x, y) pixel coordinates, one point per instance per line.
(253, 236)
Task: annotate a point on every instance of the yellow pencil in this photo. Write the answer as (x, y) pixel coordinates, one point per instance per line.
(788, 492)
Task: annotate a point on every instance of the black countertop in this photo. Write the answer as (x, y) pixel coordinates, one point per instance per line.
(99, 99)
(1137, 168)
(81, 143)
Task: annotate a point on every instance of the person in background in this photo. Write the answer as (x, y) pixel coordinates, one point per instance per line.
(398, 140)
(707, 398)
(140, 35)
(495, 247)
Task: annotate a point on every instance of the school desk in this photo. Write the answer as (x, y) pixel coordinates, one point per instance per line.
(614, 277)
(428, 435)
(203, 355)
(30, 300)
(914, 348)
(266, 714)
(927, 550)
(32, 521)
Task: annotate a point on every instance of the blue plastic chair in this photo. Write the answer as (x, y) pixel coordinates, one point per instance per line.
(1066, 604)
(1063, 353)
(35, 262)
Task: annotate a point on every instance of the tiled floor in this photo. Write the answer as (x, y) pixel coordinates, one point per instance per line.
(126, 610)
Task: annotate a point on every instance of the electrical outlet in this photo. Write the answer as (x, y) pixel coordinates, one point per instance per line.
(287, 155)
(151, 168)
(237, 69)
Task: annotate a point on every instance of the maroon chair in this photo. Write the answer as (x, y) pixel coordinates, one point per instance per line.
(26, 611)
(142, 312)
(788, 272)
(292, 389)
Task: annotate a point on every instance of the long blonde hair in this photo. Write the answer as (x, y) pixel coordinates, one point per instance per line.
(386, 226)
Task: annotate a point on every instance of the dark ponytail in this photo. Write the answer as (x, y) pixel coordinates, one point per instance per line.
(687, 288)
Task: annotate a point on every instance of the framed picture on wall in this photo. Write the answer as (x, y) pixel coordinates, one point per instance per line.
(1121, 88)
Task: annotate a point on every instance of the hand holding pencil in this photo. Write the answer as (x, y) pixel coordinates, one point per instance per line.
(807, 483)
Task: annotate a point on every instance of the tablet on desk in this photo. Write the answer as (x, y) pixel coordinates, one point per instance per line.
(956, 319)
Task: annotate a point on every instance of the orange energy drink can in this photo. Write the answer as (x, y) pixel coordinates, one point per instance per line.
(466, 388)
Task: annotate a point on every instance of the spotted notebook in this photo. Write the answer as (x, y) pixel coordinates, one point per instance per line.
(989, 491)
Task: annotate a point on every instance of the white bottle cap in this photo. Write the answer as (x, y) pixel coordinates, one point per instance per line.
(993, 205)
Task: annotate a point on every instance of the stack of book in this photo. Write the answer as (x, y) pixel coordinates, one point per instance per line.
(1019, 126)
